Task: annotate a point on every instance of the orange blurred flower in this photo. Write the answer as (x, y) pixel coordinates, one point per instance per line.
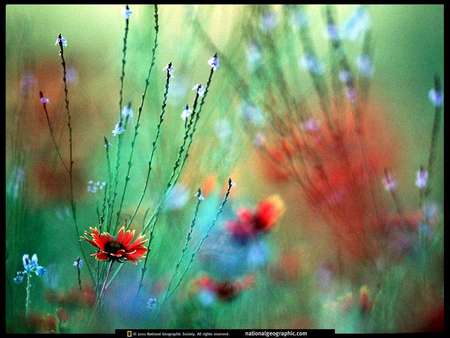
(223, 290)
(365, 303)
(208, 185)
(249, 224)
(338, 167)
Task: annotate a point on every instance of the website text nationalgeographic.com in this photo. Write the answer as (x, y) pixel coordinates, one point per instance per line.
(276, 333)
(131, 333)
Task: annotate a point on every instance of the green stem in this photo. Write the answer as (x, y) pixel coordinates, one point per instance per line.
(27, 299)
(186, 245)
(434, 137)
(52, 134)
(124, 60)
(116, 181)
(99, 300)
(204, 238)
(79, 276)
(155, 141)
(71, 162)
(147, 83)
(176, 174)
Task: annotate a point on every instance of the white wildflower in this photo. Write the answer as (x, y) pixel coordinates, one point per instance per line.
(214, 62)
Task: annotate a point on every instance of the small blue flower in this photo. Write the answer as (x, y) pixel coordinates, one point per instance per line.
(186, 112)
(19, 277)
(436, 97)
(40, 271)
(151, 303)
(199, 195)
(200, 89)
(127, 13)
(127, 112)
(26, 261)
(78, 263)
(214, 62)
(422, 178)
(169, 69)
(44, 100)
(118, 129)
(30, 265)
(61, 40)
(34, 259)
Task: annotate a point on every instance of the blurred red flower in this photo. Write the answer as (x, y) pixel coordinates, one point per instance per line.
(434, 320)
(287, 268)
(62, 314)
(338, 168)
(224, 290)
(73, 297)
(365, 303)
(41, 323)
(249, 224)
(50, 181)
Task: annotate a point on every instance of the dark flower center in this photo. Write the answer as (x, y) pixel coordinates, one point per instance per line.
(226, 291)
(113, 247)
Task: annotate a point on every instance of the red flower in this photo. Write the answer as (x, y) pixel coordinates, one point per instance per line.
(205, 283)
(62, 314)
(118, 249)
(434, 320)
(249, 224)
(41, 323)
(338, 169)
(224, 290)
(268, 212)
(242, 227)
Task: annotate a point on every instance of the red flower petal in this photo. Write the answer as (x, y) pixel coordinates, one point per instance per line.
(137, 243)
(245, 215)
(137, 254)
(103, 239)
(206, 283)
(120, 235)
(125, 237)
(268, 212)
(240, 229)
(119, 253)
(101, 256)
